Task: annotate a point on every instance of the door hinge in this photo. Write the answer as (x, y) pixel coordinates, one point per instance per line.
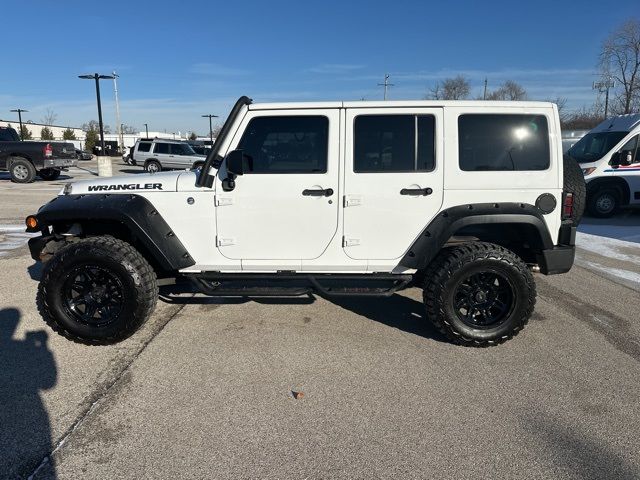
(221, 201)
(352, 200)
(223, 242)
(350, 242)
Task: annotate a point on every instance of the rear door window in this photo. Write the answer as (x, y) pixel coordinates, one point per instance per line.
(144, 147)
(503, 142)
(161, 148)
(394, 143)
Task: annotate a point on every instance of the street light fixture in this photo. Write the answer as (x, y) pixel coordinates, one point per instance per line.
(97, 79)
(210, 126)
(19, 111)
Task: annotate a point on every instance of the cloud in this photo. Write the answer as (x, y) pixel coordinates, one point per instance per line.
(216, 69)
(334, 68)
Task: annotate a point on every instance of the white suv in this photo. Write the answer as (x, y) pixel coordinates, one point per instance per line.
(464, 199)
(160, 154)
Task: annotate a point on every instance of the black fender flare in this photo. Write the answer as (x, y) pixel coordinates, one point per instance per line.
(135, 212)
(434, 236)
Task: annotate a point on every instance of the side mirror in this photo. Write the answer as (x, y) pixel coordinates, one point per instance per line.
(238, 163)
(623, 157)
(615, 160)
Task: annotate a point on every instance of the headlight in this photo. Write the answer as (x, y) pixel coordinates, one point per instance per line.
(67, 189)
(588, 171)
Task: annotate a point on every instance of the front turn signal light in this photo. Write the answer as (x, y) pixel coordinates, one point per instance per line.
(32, 223)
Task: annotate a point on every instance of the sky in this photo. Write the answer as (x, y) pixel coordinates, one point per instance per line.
(179, 60)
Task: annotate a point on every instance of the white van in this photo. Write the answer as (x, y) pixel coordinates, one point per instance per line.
(610, 160)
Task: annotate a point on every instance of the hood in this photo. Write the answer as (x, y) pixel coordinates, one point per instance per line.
(146, 182)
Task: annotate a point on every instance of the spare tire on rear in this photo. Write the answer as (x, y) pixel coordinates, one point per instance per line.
(574, 184)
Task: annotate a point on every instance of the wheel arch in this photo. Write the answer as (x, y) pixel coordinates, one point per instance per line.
(131, 218)
(517, 226)
(610, 182)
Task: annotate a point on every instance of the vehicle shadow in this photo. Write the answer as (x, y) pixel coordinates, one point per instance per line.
(396, 311)
(26, 367)
(7, 176)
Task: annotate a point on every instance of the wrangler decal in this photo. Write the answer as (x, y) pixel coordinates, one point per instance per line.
(125, 186)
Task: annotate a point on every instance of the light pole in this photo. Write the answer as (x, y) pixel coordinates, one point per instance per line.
(19, 111)
(97, 79)
(115, 92)
(603, 86)
(146, 128)
(210, 126)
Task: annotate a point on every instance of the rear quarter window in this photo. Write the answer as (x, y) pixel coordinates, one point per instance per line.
(503, 142)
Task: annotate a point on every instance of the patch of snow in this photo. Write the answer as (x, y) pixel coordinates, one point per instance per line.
(618, 273)
(12, 237)
(609, 247)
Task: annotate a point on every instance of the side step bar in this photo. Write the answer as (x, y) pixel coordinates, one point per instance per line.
(296, 284)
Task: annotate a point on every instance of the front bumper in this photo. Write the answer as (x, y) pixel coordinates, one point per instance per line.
(559, 259)
(60, 162)
(37, 244)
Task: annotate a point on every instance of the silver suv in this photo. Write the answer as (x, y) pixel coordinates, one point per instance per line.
(159, 154)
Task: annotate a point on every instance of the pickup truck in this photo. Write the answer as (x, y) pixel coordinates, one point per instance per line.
(25, 160)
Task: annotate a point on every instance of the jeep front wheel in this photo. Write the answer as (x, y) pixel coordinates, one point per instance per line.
(97, 291)
(479, 294)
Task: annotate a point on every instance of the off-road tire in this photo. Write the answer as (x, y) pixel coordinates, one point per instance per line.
(118, 258)
(22, 170)
(452, 266)
(595, 199)
(574, 183)
(49, 174)
(155, 166)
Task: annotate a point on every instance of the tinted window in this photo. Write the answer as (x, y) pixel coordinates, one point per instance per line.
(387, 143)
(287, 144)
(8, 135)
(503, 142)
(181, 149)
(144, 147)
(161, 148)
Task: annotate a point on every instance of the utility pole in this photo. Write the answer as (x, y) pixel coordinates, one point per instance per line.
(19, 111)
(484, 95)
(146, 128)
(386, 84)
(211, 127)
(115, 91)
(603, 86)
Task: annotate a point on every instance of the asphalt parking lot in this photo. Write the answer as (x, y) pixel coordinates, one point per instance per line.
(205, 388)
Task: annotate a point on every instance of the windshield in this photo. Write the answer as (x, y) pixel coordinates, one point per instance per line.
(593, 146)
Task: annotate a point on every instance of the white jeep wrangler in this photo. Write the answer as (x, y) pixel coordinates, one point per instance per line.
(464, 199)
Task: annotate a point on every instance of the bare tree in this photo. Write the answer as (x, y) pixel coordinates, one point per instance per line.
(128, 129)
(456, 88)
(94, 126)
(620, 61)
(49, 117)
(583, 119)
(509, 90)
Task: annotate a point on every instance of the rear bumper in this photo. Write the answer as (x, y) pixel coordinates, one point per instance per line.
(559, 259)
(60, 162)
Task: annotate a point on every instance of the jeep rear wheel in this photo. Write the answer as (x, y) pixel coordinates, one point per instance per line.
(22, 171)
(479, 294)
(97, 291)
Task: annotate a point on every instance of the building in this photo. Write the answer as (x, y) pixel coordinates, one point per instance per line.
(36, 129)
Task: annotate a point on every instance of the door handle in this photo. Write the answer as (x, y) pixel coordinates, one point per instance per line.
(327, 192)
(416, 191)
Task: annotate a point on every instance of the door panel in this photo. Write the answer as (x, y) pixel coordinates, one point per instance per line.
(287, 208)
(393, 179)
